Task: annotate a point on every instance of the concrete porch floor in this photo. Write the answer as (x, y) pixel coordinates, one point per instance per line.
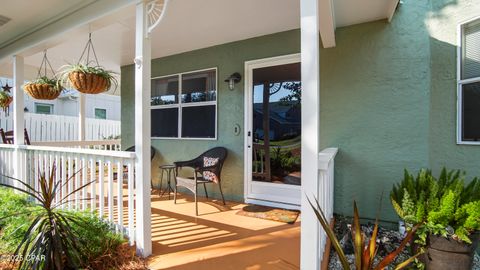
(218, 238)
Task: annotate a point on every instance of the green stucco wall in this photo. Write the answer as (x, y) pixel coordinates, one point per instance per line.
(375, 107)
(228, 58)
(388, 101)
(442, 23)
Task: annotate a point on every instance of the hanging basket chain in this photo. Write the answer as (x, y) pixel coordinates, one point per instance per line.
(43, 65)
(89, 47)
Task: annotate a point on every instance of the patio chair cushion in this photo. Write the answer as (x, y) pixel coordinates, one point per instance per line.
(207, 175)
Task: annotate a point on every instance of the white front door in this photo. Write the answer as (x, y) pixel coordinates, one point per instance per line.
(273, 131)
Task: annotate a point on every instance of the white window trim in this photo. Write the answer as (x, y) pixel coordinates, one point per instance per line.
(461, 82)
(180, 105)
(44, 104)
(95, 116)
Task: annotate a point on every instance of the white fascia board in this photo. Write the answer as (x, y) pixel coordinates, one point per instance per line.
(391, 9)
(65, 23)
(327, 23)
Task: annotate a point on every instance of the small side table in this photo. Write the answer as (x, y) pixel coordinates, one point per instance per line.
(169, 170)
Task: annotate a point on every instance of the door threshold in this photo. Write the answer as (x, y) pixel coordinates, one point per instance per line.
(272, 204)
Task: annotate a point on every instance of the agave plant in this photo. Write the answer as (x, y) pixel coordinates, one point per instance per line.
(365, 253)
(50, 242)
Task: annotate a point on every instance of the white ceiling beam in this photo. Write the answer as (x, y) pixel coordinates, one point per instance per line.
(61, 25)
(327, 23)
(391, 9)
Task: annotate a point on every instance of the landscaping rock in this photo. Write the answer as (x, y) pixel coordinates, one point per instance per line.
(387, 241)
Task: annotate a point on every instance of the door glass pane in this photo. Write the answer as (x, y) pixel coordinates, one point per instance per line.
(165, 122)
(199, 86)
(277, 124)
(470, 112)
(198, 122)
(165, 91)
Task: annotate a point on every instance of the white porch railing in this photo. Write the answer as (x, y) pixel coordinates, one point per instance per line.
(43, 127)
(111, 193)
(325, 191)
(6, 162)
(114, 145)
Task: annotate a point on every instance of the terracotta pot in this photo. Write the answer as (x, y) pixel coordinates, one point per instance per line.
(88, 83)
(41, 91)
(446, 253)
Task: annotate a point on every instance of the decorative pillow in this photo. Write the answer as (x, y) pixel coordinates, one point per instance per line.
(208, 162)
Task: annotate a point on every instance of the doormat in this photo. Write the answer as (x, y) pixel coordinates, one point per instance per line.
(264, 212)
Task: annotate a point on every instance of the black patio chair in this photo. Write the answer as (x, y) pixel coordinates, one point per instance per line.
(207, 170)
(7, 136)
(152, 155)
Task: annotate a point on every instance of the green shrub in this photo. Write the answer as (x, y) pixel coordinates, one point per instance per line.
(92, 237)
(99, 237)
(15, 210)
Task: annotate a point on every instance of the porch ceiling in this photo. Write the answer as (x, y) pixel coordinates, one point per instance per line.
(187, 25)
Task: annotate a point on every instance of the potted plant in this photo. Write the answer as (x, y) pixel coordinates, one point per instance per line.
(88, 79)
(43, 88)
(88, 76)
(449, 214)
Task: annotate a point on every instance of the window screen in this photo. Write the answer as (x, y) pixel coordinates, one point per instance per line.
(100, 113)
(471, 112)
(471, 50)
(165, 91)
(198, 122)
(44, 108)
(165, 122)
(468, 124)
(185, 105)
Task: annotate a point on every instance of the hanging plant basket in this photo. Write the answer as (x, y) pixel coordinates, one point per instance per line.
(5, 101)
(43, 87)
(88, 83)
(41, 91)
(88, 78)
(5, 98)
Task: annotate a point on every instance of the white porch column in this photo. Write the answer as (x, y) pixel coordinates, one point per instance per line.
(81, 117)
(310, 50)
(142, 131)
(18, 114)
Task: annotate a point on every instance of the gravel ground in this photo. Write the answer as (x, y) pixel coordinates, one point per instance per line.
(476, 262)
(388, 241)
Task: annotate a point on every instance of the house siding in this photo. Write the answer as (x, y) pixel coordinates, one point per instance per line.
(375, 87)
(442, 23)
(388, 101)
(228, 58)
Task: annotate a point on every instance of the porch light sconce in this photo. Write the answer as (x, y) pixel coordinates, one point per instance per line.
(233, 79)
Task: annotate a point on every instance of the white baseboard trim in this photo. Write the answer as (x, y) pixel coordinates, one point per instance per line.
(273, 204)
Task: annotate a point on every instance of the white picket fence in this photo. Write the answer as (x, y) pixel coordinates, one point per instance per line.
(42, 128)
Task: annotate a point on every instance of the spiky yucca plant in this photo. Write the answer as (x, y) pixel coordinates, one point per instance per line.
(50, 242)
(364, 252)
